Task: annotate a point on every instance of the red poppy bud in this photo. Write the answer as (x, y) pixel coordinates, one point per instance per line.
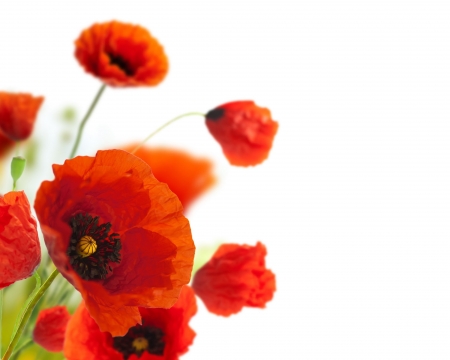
(244, 130)
(20, 252)
(18, 113)
(50, 328)
(236, 276)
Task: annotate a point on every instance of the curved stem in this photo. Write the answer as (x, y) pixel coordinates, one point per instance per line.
(85, 119)
(21, 348)
(28, 312)
(164, 126)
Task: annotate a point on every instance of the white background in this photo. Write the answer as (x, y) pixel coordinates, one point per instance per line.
(353, 203)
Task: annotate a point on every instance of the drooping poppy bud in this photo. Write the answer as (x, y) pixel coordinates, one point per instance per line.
(18, 114)
(244, 130)
(50, 328)
(164, 334)
(20, 252)
(236, 276)
(187, 176)
(121, 54)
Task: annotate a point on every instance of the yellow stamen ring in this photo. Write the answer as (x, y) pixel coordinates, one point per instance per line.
(86, 246)
(140, 344)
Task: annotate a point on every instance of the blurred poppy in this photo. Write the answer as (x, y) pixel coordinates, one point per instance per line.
(20, 252)
(117, 234)
(244, 130)
(188, 177)
(121, 54)
(18, 113)
(164, 334)
(51, 327)
(236, 276)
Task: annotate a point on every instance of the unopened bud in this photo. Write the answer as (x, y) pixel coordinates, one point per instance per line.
(17, 167)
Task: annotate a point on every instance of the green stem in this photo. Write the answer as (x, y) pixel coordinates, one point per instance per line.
(28, 312)
(21, 348)
(164, 126)
(85, 119)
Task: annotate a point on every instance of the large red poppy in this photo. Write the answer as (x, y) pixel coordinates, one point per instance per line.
(117, 234)
(121, 54)
(187, 176)
(20, 252)
(236, 276)
(50, 328)
(164, 334)
(244, 130)
(18, 114)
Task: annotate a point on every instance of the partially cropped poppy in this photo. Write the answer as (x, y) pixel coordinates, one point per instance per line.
(121, 54)
(164, 334)
(50, 328)
(236, 276)
(117, 234)
(18, 114)
(244, 130)
(20, 252)
(187, 176)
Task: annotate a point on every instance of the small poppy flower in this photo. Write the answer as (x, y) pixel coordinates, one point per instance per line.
(187, 176)
(244, 130)
(236, 276)
(164, 334)
(18, 114)
(117, 235)
(121, 54)
(51, 327)
(20, 251)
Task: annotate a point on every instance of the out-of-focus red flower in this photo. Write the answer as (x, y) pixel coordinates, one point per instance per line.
(18, 114)
(236, 276)
(188, 177)
(244, 130)
(50, 328)
(121, 54)
(164, 334)
(20, 252)
(117, 234)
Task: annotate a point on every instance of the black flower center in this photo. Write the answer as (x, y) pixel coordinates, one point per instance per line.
(138, 339)
(91, 249)
(215, 114)
(121, 63)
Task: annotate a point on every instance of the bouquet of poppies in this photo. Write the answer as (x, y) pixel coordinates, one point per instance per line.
(114, 224)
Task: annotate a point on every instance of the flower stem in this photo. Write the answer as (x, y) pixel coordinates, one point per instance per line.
(28, 312)
(164, 126)
(85, 119)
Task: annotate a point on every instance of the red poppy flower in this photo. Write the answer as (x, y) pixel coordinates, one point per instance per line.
(20, 252)
(163, 335)
(236, 276)
(117, 234)
(50, 328)
(188, 177)
(244, 130)
(121, 54)
(18, 113)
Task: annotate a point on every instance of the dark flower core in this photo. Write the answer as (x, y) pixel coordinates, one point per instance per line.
(121, 63)
(91, 249)
(140, 338)
(215, 114)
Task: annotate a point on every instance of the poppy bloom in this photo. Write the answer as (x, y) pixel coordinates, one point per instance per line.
(236, 276)
(188, 177)
(117, 235)
(51, 327)
(20, 252)
(18, 113)
(164, 334)
(244, 130)
(121, 54)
